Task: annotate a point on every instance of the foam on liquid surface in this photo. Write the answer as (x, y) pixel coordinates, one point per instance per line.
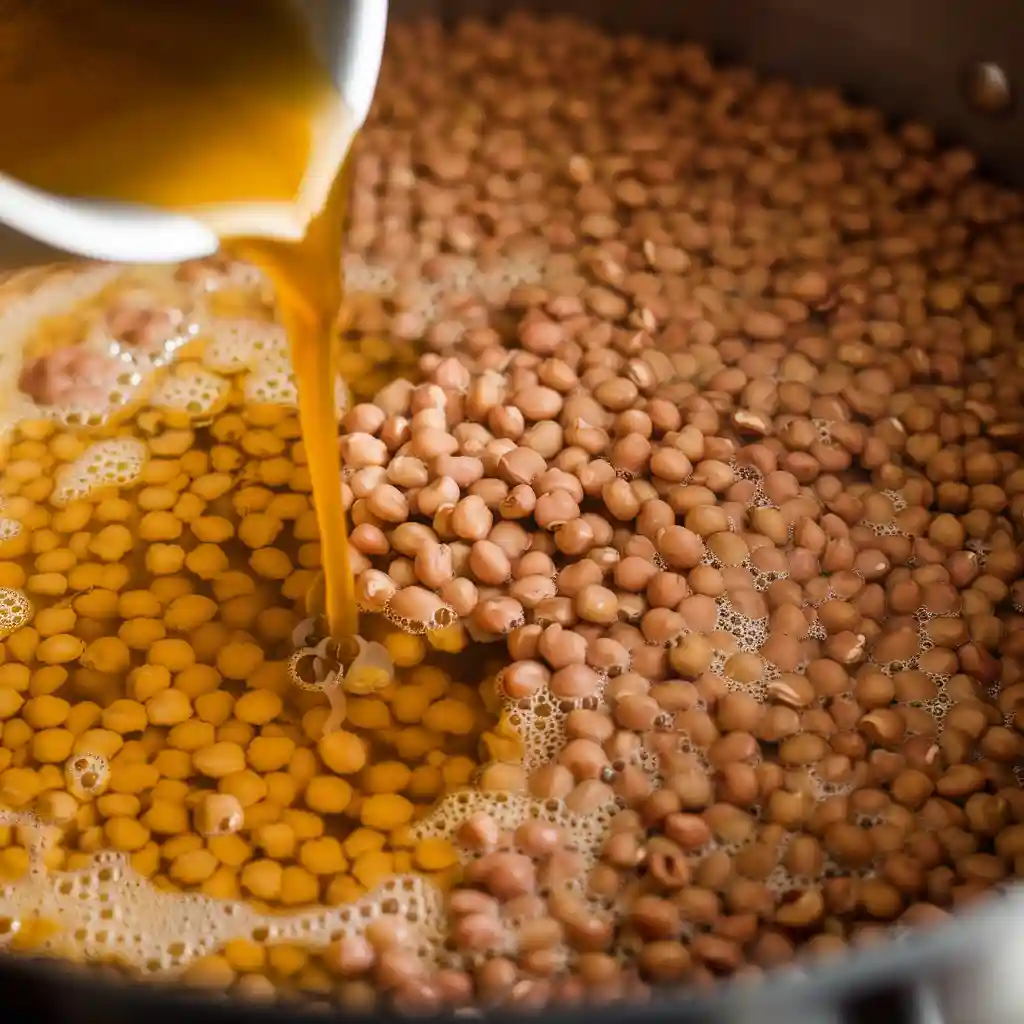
(116, 462)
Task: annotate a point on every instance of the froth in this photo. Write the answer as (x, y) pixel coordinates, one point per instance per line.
(108, 910)
(273, 387)
(142, 330)
(15, 610)
(34, 297)
(237, 345)
(260, 351)
(113, 462)
(539, 721)
(584, 832)
(191, 389)
(86, 775)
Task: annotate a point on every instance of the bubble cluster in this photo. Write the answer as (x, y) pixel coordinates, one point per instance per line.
(275, 387)
(9, 528)
(141, 330)
(108, 909)
(116, 462)
(253, 345)
(79, 385)
(585, 833)
(15, 610)
(189, 388)
(31, 295)
(86, 774)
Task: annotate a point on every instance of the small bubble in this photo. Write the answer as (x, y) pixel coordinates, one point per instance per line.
(824, 428)
(444, 617)
(745, 471)
(86, 774)
(310, 672)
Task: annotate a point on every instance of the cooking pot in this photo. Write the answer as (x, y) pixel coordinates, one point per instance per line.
(952, 64)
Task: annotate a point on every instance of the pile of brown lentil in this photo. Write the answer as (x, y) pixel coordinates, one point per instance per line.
(684, 447)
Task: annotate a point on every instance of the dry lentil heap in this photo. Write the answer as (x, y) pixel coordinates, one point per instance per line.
(682, 455)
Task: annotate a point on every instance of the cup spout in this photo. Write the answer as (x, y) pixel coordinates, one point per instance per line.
(349, 35)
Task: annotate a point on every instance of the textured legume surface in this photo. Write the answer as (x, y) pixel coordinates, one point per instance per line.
(682, 446)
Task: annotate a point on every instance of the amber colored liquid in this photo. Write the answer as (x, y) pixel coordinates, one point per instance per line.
(221, 109)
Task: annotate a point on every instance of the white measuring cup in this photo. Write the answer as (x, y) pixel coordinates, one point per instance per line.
(349, 35)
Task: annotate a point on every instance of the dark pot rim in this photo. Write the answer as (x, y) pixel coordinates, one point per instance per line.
(895, 972)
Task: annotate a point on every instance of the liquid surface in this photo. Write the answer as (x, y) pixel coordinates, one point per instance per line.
(222, 111)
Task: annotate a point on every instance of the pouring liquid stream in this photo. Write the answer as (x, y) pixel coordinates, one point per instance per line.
(221, 111)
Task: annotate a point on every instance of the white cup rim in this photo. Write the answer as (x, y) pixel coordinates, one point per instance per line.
(135, 234)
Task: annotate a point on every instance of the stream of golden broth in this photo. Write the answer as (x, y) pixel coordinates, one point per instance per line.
(222, 111)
